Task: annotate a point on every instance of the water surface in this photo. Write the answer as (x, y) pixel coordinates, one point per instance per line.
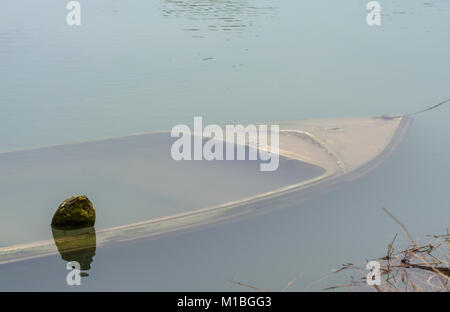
(148, 65)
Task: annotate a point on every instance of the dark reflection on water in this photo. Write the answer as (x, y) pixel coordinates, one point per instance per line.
(76, 245)
(232, 16)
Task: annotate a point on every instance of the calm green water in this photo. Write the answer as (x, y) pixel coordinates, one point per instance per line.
(148, 65)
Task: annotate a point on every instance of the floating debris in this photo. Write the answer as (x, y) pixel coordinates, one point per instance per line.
(416, 268)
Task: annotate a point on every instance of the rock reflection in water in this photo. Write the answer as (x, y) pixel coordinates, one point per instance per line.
(76, 245)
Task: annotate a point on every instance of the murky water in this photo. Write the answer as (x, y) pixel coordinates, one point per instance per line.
(149, 65)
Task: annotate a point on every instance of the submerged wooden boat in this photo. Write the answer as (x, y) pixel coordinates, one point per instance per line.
(345, 148)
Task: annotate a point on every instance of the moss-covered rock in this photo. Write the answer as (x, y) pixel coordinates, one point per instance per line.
(74, 212)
